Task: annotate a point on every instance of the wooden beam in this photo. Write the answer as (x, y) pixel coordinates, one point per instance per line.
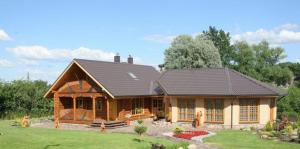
(94, 108)
(74, 108)
(56, 106)
(107, 109)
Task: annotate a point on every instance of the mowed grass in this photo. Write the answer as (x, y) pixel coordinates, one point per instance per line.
(230, 139)
(40, 138)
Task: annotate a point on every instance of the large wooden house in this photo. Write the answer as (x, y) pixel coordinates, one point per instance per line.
(89, 91)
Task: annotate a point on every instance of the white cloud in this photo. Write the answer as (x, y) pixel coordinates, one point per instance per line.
(160, 38)
(30, 54)
(284, 34)
(4, 35)
(5, 63)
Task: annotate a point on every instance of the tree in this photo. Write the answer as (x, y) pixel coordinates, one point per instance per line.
(260, 61)
(23, 97)
(221, 41)
(290, 104)
(295, 68)
(189, 52)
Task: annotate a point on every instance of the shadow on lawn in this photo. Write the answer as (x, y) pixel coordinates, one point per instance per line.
(52, 145)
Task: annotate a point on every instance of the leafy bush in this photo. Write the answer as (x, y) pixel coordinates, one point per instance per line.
(139, 129)
(140, 122)
(178, 130)
(269, 126)
(24, 97)
(288, 129)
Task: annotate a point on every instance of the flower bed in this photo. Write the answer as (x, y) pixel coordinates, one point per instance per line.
(190, 134)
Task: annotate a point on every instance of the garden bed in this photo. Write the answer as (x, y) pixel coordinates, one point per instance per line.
(190, 134)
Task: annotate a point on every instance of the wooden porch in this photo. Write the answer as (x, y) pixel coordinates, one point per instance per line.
(78, 102)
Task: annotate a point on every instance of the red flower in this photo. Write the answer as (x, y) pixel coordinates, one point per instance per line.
(189, 134)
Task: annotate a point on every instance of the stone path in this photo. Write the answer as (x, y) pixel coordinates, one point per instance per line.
(155, 129)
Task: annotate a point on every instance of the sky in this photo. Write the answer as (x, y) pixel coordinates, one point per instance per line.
(42, 37)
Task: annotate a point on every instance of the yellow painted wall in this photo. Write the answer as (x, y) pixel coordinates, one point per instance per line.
(174, 108)
(264, 109)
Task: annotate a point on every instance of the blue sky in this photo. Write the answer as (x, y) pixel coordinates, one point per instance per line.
(41, 37)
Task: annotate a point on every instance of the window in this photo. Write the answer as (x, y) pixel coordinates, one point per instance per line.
(158, 104)
(99, 105)
(132, 76)
(79, 103)
(186, 109)
(248, 110)
(137, 106)
(214, 110)
(84, 103)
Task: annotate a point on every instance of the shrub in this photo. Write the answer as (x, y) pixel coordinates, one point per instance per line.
(157, 146)
(178, 130)
(139, 129)
(140, 122)
(294, 125)
(288, 129)
(269, 126)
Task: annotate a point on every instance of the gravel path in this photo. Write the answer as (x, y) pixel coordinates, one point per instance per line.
(155, 130)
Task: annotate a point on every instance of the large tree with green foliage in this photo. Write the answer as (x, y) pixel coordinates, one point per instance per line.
(295, 68)
(261, 62)
(189, 52)
(221, 41)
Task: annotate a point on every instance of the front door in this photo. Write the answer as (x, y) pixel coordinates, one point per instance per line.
(100, 108)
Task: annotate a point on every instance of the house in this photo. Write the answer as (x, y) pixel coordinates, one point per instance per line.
(89, 91)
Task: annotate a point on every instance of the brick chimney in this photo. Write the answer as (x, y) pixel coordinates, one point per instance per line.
(117, 58)
(130, 60)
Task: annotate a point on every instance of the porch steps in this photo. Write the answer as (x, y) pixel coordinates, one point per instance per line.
(109, 124)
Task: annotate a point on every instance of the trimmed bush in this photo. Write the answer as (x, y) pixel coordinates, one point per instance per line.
(178, 130)
(140, 130)
(269, 126)
(140, 122)
(288, 129)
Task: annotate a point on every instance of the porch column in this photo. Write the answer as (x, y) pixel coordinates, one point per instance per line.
(56, 106)
(74, 108)
(107, 109)
(94, 108)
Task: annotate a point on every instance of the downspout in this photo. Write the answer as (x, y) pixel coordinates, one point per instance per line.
(231, 119)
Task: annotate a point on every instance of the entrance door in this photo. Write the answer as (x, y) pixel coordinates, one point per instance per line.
(158, 107)
(101, 108)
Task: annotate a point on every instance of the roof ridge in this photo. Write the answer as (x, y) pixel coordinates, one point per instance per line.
(75, 59)
(193, 69)
(262, 84)
(229, 81)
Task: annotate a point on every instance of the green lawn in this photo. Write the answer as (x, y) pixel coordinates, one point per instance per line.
(40, 138)
(229, 139)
